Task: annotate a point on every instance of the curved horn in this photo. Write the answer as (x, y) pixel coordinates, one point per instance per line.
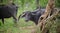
(21, 15)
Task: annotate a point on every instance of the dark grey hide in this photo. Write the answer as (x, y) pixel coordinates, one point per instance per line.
(32, 16)
(7, 11)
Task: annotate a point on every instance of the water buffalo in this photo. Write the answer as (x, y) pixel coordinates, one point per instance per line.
(32, 16)
(7, 11)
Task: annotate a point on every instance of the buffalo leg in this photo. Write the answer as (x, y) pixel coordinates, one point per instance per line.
(14, 16)
(15, 19)
(3, 20)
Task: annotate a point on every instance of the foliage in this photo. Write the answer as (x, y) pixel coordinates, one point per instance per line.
(57, 3)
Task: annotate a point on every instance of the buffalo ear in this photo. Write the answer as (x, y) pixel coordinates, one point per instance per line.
(33, 14)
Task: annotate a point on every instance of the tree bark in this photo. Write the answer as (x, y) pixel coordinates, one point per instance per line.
(50, 6)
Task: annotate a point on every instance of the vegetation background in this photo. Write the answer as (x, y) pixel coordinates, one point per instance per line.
(24, 5)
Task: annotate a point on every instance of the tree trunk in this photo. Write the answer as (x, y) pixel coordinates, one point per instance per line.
(49, 8)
